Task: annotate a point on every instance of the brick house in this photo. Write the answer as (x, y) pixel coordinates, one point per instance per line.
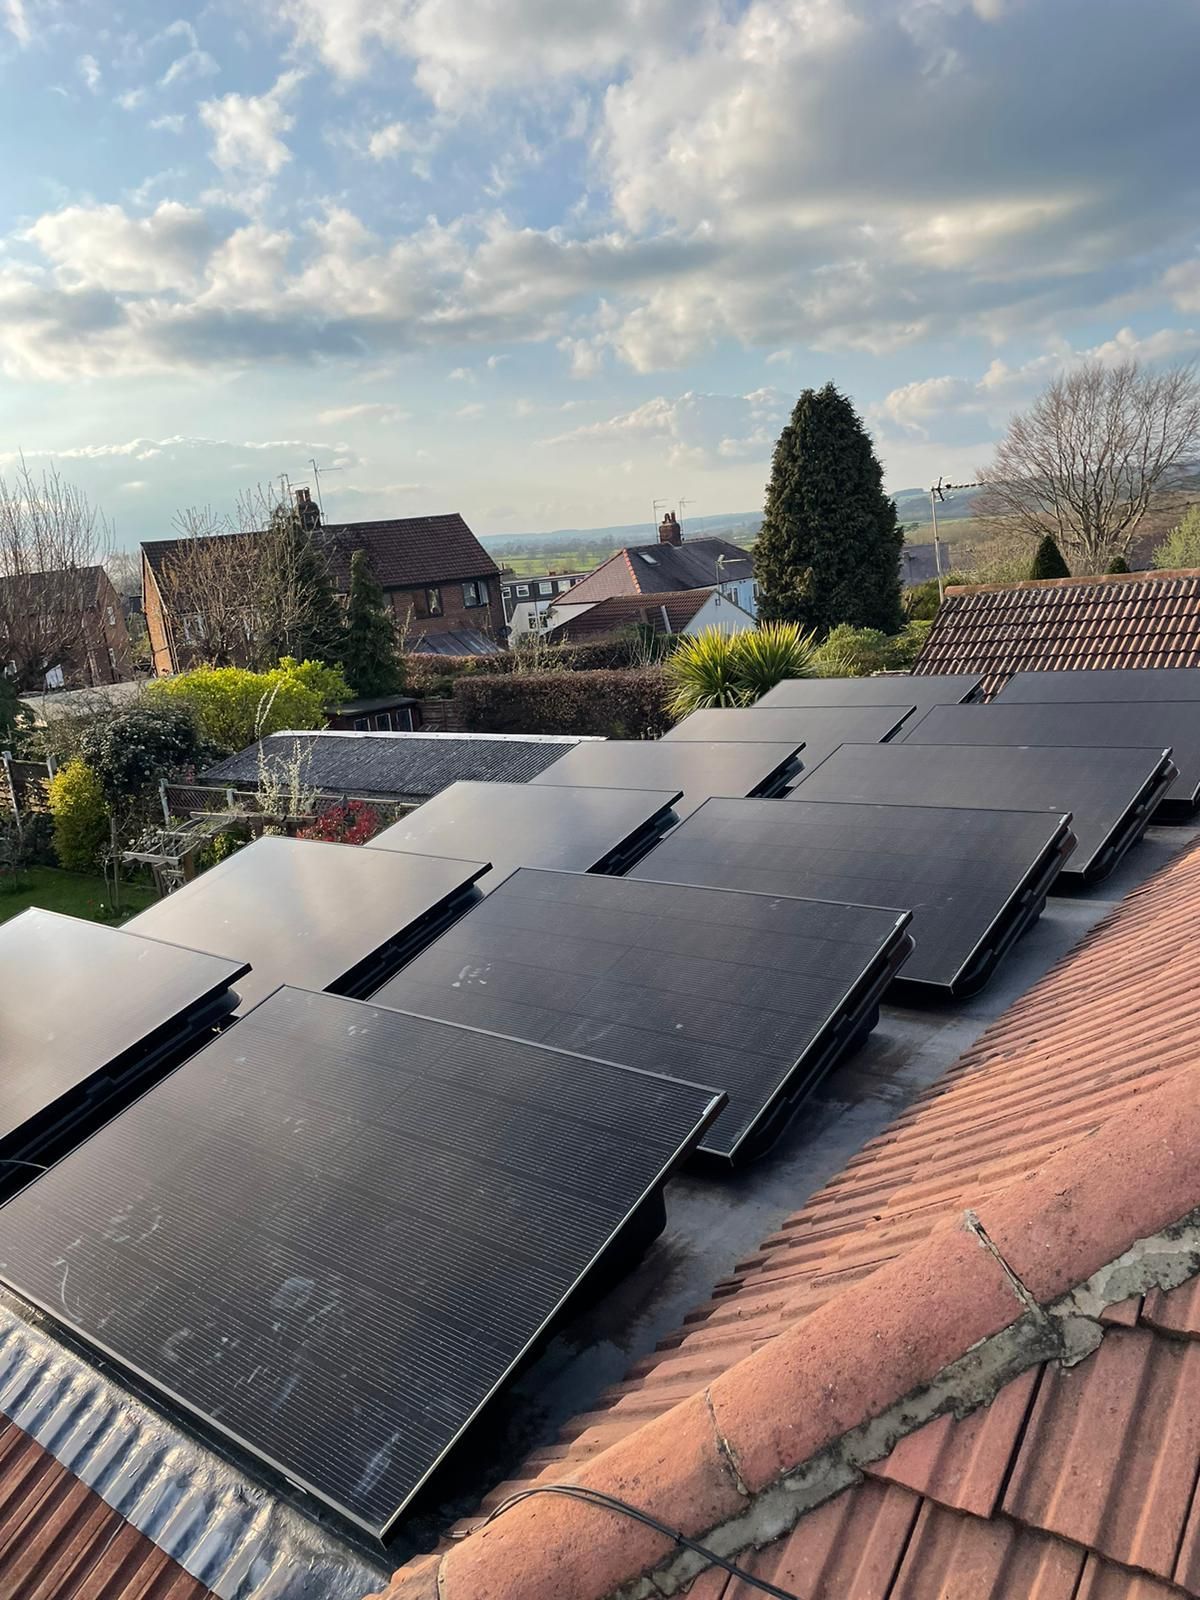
(76, 615)
(440, 582)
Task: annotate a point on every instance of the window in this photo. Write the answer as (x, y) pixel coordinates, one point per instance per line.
(545, 588)
(433, 602)
(362, 724)
(522, 591)
(111, 615)
(474, 594)
(564, 584)
(54, 678)
(383, 722)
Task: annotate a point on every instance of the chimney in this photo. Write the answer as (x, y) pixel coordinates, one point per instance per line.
(307, 510)
(669, 531)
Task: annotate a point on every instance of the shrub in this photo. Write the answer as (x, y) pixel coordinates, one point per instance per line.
(1048, 561)
(233, 707)
(625, 703)
(81, 830)
(1181, 547)
(718, 669)
(854, 652)
(131, 751)
(1118, 564)
(352, 822)
(922, 600)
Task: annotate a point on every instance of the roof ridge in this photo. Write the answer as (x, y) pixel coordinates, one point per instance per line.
(1147, 576)
(1024, 1272)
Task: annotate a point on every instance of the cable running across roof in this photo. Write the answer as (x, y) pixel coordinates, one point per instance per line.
(575, 1491)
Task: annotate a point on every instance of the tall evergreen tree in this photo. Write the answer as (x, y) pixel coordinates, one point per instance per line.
(829, 550)
(299, 613)
(1048, 561)
(370, 659)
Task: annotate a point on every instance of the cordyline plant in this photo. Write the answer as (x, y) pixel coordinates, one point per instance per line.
(713, 668)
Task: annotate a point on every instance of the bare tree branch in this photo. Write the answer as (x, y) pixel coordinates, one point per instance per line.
(52, 539)
(1085, 461)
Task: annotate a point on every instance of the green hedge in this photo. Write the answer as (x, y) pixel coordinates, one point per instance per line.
(426, 675)
(622, 703)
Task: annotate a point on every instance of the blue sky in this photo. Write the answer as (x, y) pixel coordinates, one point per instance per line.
(546, 261)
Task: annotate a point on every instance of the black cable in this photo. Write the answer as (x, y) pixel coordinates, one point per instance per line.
(574, 1491)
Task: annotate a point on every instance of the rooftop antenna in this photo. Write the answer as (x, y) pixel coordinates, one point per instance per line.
(655, 519)
(682, 502)
(317, 481)
(937, 497)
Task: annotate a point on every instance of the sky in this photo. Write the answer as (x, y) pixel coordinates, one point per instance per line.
(546, 262)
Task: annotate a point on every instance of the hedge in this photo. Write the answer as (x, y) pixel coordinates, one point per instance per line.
(622, 703)
(426, 675)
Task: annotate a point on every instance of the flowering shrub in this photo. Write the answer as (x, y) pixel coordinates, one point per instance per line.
(352, 822)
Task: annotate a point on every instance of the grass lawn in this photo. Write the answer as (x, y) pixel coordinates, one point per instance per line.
(75, 893)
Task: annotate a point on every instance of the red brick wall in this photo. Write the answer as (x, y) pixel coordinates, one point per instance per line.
(413, 619)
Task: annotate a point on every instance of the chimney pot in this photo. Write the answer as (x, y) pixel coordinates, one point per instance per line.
(669, 531)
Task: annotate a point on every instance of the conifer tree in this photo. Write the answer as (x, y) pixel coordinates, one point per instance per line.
(370, 659)
(1048, 561)
(829, 550)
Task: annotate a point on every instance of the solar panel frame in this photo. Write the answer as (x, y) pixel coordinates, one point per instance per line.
(904, 777)
(717, 845)
(917, 689)
(189, 993)
(609, 966)
(634, 1219)
(771, 766)
(569, 822)
(1083, 684)
(817, 730)
(240, 903)
(1105, 725)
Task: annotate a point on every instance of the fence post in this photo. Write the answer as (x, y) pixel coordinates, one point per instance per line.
(6, 760)
(162, 795)
(230, 799)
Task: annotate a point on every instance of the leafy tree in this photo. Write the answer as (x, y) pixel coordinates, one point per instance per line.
(829, 550)
(1181, 547)
(81, 826)
(922, 600)
(369, 656)
(1119, 565)
(131, 751)
(1048, 561)
(233, 707)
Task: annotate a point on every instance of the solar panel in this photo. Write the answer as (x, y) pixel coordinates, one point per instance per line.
(1103, 683)
(1171, 725)
(699, 770)
(1111, 794)
(755, 993)
(85, 1012)
(974, 880)
(516, 825)
(332, 1234)
(937, 689)
(819, 730)
(327, 916)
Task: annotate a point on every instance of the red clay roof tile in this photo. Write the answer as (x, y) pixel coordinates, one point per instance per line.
(952, 1557)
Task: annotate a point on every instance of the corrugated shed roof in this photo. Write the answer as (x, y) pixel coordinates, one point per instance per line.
(1122, 620)
(1076, 1479)
(665, 569)
(405, 765)
(629, 610)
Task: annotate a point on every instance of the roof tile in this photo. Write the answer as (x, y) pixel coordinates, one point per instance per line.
(953, 1557)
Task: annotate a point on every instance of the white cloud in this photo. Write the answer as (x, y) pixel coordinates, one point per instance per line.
(188, 68)
(103, 247)
(89, 71)
(696, 429)
(16, 20)
(131, 99)
(368, 411)
(393, 140)
(169, 123)
(472, 412)
(248, 130)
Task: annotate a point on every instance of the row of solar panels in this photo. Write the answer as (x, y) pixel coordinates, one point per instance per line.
(333, 1232)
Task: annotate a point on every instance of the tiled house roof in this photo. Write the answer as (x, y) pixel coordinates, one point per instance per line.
(664, 569)
(1029, 1230)
(1135, 619)
(628, 611)
(403, 551)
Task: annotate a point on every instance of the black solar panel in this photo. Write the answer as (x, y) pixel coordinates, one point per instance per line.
(937, 689)
(818, 729)
(333, 1233)
(85, 1012)
(974, 880)
(1103, 683)
(698, 770)
(1111, 794)
(326, 916)
(757, 994)
(1172, 725)
(516, 825)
